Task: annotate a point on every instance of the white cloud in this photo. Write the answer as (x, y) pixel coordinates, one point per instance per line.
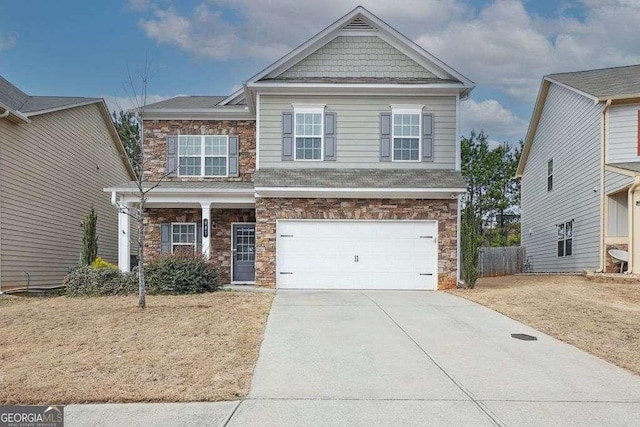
(117, 103)
(7, 41)
(499, 123)
(268, 30)
(501, 45)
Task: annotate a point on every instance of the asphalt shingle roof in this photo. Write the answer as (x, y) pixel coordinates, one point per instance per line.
(186, 102)
(631, 166)
(10, 95)
(603, 83)
(359, 178)
(17, 100)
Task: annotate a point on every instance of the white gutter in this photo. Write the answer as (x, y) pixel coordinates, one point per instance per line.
(5, 114)
(361, 190)
(603, 161)
(631, 213)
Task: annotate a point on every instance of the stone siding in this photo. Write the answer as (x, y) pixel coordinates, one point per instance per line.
(221, 220)
(269, 210)
(155, 145)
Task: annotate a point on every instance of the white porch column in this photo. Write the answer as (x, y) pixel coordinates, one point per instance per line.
(124, 240)
(206, 229)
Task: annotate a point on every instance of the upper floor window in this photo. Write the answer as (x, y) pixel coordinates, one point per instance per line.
(308, 134)
(550, 175)
(565, 238)
(406, 136)
(203, 155)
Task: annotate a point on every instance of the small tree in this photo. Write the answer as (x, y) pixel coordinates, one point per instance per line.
(470, 244)
(89, 238)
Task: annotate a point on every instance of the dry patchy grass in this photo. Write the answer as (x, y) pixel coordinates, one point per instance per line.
(104, 349)
(601, 318)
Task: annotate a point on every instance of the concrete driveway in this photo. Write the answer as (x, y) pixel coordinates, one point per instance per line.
(415, 358)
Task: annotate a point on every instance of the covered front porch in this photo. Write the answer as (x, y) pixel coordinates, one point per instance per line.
(622, 218)
(216, 219)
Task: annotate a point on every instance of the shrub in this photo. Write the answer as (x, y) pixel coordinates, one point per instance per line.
(89, 238)
(97, 281)
(180, 274)
(100, 263)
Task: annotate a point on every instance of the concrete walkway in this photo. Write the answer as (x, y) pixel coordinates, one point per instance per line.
(402, 358)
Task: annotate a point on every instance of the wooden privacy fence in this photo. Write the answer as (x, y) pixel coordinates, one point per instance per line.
(501, 261)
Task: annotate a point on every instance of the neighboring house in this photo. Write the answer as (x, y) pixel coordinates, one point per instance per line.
(56, 155)
(580, 169)
(338, 166)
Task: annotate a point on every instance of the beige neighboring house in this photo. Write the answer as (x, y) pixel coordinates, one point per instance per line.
(56, 155)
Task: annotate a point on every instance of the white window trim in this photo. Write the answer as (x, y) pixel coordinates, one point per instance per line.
(203, 156)
(298, 109)
(565, 238)
(405, 110)
(195, 236)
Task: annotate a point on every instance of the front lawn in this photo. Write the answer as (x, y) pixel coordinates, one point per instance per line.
(601, 318)
(104, 349)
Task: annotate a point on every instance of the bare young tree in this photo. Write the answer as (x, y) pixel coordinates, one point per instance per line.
(136, 89)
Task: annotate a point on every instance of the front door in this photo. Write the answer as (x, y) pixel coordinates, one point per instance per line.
(244, 245)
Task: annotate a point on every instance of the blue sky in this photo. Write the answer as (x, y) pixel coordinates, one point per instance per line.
(208, 47)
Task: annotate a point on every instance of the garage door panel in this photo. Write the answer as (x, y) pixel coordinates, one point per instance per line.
(330, 254)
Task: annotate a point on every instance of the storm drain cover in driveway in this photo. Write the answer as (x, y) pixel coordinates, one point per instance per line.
(524, 337)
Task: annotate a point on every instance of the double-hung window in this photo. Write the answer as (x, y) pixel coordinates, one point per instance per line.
(406, 135)
(308, 133)
(550, 175)
(183, 238)
(565, 238)
(203, 155)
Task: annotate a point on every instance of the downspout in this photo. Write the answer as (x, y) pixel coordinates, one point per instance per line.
(631, 214)
(603, 154)
(5, 114)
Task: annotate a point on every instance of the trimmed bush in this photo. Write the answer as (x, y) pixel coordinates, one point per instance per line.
(97, 281)
(180, 274)
(100, 263)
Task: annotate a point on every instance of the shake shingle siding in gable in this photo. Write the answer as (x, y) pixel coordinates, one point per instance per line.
(568, 133)
(367, 56)
(52, 171)
(623, 134)
(358, 130)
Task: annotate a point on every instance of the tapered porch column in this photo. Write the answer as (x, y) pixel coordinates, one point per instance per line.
(206, 229)
(124, 240)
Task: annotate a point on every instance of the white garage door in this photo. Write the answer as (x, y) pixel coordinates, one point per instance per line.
(328, 254)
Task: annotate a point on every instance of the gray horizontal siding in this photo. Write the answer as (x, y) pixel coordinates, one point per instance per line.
(615, 181)
(53, 170)
(568, 132)
(623, 134)
(358, 130)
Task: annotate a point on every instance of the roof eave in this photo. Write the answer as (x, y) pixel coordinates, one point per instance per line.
(14, 115)
(63, 107)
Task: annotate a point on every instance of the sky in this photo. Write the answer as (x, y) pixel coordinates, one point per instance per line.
(209, 47)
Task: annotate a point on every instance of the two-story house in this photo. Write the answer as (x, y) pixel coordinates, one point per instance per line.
(57, 153)
(336, 167)
(580, 171)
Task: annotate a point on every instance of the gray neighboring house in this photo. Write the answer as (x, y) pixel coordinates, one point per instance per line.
(580, 171)
(56, 155)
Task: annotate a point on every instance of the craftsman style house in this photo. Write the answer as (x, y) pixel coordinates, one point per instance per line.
(580, 171)
(336, 167)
